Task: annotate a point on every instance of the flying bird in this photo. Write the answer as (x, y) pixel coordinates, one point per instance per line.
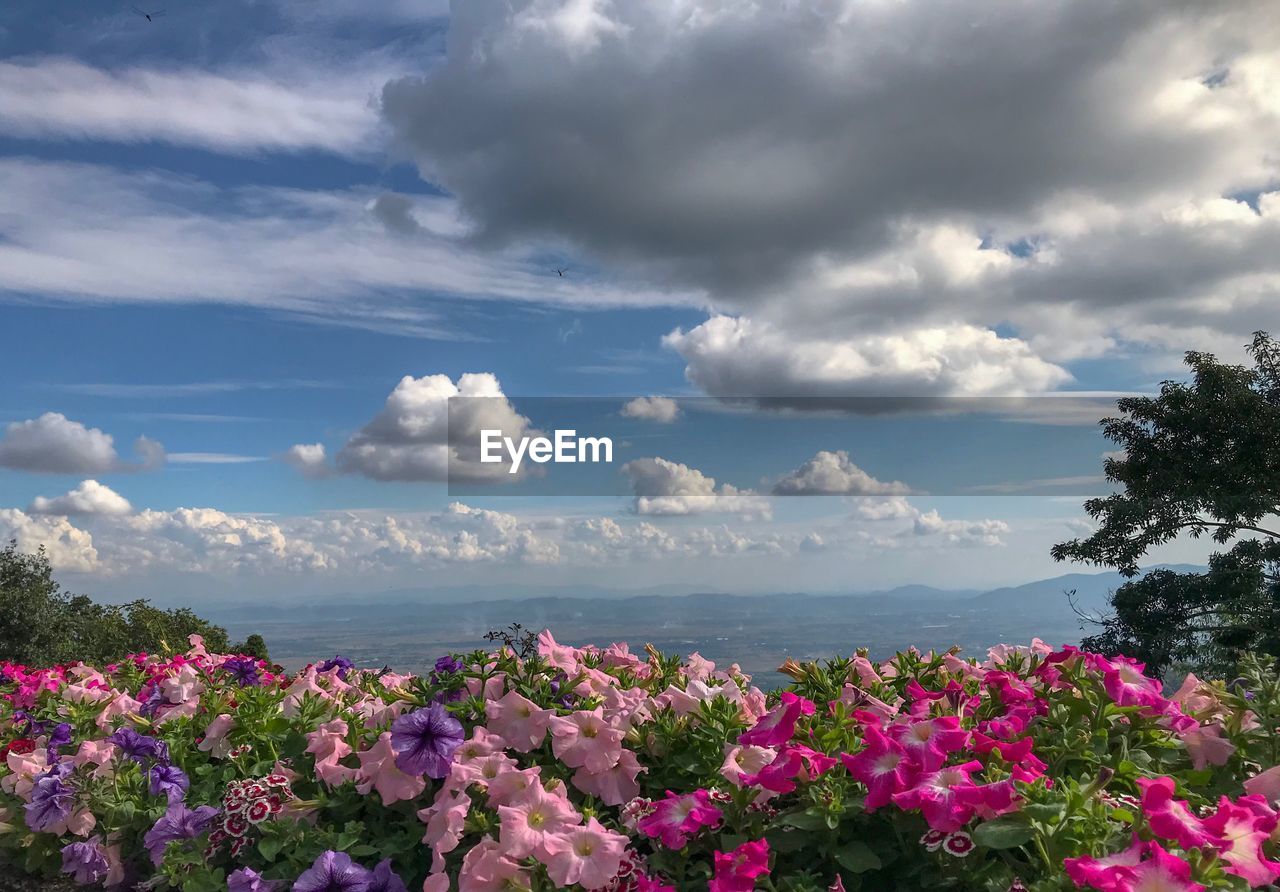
(560, 273)
(149, 16)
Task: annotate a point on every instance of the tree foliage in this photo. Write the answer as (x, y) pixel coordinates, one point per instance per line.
(41, 624)
(1202, 457)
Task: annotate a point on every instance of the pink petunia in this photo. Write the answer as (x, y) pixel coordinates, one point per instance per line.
(588, 855)
(1170, 818)
(674, 819)
(930, 741)
(519, 721)
(1144, 865)
(585, 739)
(615, 785)
(1206, 746)
(737, 871)
(529, 821)
(937, 795)
(882, 766)
(378, 771)
(328, 744)
(1242, 828)
(779, 724)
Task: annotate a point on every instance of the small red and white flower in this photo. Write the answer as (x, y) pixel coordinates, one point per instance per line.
(959, 844)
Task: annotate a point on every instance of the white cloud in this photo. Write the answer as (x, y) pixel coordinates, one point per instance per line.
(58, 98)
(212, 458)
(90, 497)
(665, 487)
(55, 444)
(834, 473)
(84, 232)
(309, 459)
(959, 532)
(420, 436)
(68, 547)
(661, 409)
(899, 169)
(892, 508)
(745, 358)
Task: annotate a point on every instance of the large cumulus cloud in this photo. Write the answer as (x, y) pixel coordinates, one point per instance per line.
(1085, 174)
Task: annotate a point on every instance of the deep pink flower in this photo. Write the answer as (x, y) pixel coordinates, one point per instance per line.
(1171, 818)
(937, 795)
(1242, 828)
(736, 871)
(1142, 866)
(930, 741)
(677, 817)
(779, 724)
(883, 766)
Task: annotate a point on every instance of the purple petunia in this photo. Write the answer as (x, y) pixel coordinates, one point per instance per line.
(139, 747)
(448, 665)
(334, 872)
(51, 799)
(179, 822)
(425, 741)
(244, 670)
(59, 737)
(339, 662)
(168, 780)
(85, 861)
(385, 879)
(246, 879)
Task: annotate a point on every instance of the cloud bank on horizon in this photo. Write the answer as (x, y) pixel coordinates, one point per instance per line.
(720, 198)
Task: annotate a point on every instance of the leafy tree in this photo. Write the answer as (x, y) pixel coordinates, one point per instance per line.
(41, 624)
(1201, 457)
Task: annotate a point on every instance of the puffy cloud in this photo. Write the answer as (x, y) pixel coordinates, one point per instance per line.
(930, 527)
(57, 98)
(745, 358)
(309, 459)
(959, 532)
(90, 497)
(661, 409)
(834, 473)
(421, 436)
(845, 173)
(67, 546)
(665, 487)
(55, 444)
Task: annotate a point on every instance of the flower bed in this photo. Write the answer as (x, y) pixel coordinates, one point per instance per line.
(547, 766)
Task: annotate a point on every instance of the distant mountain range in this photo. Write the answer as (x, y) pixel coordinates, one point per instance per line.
(1091, 592)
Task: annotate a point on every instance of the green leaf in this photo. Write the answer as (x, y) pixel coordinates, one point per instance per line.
(269, 847)
(1007, 832)
(805, 820)
(782, 840)
(857, 857)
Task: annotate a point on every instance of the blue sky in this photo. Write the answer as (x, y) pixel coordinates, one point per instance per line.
(235, 229)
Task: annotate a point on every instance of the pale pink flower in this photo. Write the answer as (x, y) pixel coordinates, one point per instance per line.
(1206, 745)
(588, 855)
(519, 721)
(184, 686)
(560, 656)
(445, 819)
(100, 753)
(481, 743)
(328, 744)
(119, 705)
(215, 741)
(511, 786)
(1266, 785)
(531, 819)
(378, 771)
(744, 760)
(584, 739)
(615, 785)
(485, 868)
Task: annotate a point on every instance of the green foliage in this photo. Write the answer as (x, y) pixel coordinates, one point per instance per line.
(41, 624)
(1201, 457)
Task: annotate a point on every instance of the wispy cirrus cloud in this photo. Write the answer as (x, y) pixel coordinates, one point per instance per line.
(54, 98)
